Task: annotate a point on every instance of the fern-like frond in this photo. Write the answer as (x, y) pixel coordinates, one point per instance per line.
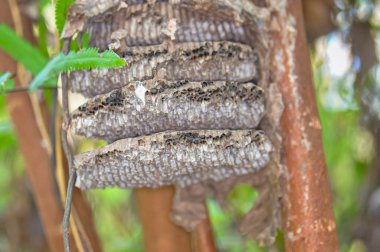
(61, 9)
(83, 60)
(21, 50)
(90, 58)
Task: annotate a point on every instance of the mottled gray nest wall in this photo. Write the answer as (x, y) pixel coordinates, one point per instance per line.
(190, 71)
(189, 109)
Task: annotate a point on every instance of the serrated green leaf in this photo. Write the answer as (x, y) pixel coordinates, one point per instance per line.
(61, 9)
(21, 50)
(88, 59)
(46, 73)
(83, 60)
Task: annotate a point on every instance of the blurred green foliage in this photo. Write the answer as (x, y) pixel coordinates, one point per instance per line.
(11, 168)
(116, 220)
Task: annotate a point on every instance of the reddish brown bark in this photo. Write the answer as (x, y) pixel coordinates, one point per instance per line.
(204, 239)
(308, 219)
(318, 16)
(159, 232)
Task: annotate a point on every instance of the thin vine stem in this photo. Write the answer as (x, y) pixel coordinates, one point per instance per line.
(26, 89)
(66, 148)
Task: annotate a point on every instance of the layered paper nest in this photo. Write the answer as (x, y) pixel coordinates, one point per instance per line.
(186, 109)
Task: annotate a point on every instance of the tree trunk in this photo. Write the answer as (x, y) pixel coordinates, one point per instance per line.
(308, 219)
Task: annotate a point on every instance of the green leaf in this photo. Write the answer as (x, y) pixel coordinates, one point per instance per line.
(42, 36)
(83, 60)
(81, 41)
(85, 43)
(5, 82)
(42, 28)
(4, 77)
(90, 58)
(61, 9)
(42, 4)
(21, 50)
(9, 85)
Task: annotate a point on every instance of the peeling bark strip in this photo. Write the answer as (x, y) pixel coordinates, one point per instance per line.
(180, 158)
(162, 106)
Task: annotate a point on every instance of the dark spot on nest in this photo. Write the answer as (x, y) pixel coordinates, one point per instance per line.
(178, 84)
(153, 91)
(149, 54)
(82, 108)
(127, 53)
(189, 137)
(116, 98)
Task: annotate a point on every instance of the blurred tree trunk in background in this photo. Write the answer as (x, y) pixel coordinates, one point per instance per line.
(367, 226)
(318, 16)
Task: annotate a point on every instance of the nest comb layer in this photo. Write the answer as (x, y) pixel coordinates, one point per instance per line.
(203, 61)
(179, 105)
(181, 158)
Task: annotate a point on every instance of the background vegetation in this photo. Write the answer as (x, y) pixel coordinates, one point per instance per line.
(348, 93)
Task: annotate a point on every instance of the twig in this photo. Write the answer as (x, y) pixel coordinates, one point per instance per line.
(25, 89)
(66, 148)
(53, 139)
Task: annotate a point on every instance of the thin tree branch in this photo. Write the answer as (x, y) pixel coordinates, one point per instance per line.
(25, 89)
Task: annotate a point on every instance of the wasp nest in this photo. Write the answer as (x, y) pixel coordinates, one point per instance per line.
(186, 106)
